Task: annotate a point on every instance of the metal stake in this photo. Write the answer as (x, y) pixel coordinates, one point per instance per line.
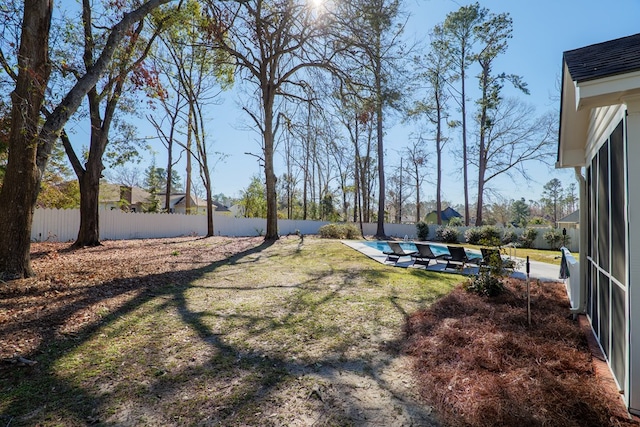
(528, 295)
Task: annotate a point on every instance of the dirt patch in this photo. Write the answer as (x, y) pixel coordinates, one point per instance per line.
(480, 364)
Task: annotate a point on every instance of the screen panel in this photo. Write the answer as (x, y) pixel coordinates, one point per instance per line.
(603, 207)
(618, 202)
(618, 333)
(603, 305)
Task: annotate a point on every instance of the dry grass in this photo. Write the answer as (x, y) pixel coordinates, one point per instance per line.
(480, 364)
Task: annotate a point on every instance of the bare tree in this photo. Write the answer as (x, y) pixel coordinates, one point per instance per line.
(417, 157)
(31, 141)
(515, 138)
(123, 175)
(272, 45)
(199, 74)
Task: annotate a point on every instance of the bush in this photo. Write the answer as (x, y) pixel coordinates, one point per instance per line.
(447, 234)
(422, 230)
(536, 220)
(509, 237)
(528, 237)
(554, 238)
(486, 284)
(473, 235)
(456, 221)
(490, 235)
(339, 231)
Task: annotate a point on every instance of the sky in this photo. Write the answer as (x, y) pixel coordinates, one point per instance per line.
(542, 30)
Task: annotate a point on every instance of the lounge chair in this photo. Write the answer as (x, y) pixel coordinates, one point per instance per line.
(458, 258)
(425, 255)
(396, 252)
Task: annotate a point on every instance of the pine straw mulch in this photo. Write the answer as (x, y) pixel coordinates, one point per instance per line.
(480, 364)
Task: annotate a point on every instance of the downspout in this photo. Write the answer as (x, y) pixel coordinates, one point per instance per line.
(582, 244)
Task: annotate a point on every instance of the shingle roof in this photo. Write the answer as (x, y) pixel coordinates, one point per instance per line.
(605, 59)
(572, 217)
(448, 213)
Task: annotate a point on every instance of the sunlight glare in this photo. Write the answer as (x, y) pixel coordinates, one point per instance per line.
(316, 4)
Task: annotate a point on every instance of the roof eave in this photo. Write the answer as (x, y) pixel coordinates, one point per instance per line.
(572, 133)
(578, 98)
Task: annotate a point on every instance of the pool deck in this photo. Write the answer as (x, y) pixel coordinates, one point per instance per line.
(538, 270)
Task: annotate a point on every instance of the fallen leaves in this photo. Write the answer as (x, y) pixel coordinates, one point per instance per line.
(75, 289)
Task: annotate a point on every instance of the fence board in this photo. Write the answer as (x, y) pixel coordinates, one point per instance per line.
(62, 225)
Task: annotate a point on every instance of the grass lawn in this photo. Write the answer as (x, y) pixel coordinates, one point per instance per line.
(543, 255)
(228, 331)
(166, 333)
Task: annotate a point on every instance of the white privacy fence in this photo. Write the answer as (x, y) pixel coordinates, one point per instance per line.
(62, 225)
(572, 281)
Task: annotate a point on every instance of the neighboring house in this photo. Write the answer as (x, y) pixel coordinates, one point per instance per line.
(220, 209)
(600, 132)
(178, 204)
(446, 215)
(570, 221)
(131, 199)
(237, 210)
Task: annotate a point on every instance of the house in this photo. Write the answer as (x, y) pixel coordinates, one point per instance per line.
(220, 209)
(446, 215)
(237, 210)
(115, 196)
(570, 221)
(178, 203)
(599, 137)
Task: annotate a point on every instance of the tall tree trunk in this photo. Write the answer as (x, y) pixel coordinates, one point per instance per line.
(482, 156)
(89, 231)
(439, 163)
(381, 183)
(167, 191)
(22, 178)
(270, 176)
(465, 172)
(187, 200)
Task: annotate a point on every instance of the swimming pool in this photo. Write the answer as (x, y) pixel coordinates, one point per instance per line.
(382, 246)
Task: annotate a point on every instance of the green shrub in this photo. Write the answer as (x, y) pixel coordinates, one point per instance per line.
(536, 220)
(528, 237)
(473, 235)
(339, 231)
(509, 236)
(456, 221)
(447, 234)
(490, 235)
(422, 230)
(486, 284)
(554, 239)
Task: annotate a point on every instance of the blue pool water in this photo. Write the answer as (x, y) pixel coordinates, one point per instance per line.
(407, 246)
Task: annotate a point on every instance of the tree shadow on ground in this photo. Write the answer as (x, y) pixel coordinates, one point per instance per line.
(158, 383)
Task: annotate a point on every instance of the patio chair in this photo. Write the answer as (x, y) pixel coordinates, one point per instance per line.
(458, 258)
(425, 255)
(396, 252)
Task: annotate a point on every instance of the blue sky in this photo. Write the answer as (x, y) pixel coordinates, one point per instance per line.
(542, 30)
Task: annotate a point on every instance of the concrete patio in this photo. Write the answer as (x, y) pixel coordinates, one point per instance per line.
(538, 270)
